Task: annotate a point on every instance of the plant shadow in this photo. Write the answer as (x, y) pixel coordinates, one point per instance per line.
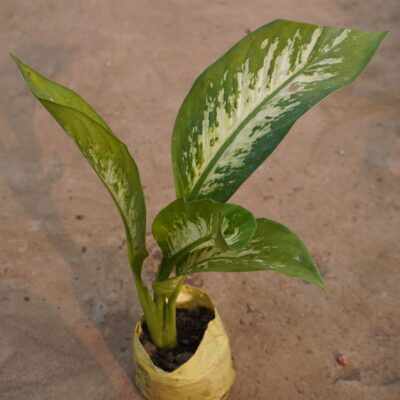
(39, 357)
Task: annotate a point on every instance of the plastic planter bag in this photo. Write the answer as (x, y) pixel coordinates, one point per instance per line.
(207, 375)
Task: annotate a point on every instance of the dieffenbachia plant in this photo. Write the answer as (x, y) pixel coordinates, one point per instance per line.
(236, 113)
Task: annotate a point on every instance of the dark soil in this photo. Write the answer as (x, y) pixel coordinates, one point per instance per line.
(190, 326)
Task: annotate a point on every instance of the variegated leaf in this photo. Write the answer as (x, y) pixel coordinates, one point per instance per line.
(182, 227)
(273, 247)
(108, 156)
(243, 105)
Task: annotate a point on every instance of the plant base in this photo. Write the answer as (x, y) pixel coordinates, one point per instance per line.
(208, 375)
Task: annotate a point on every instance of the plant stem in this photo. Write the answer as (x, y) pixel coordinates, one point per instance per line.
(169, 327)
(151, 316)
(159, 313)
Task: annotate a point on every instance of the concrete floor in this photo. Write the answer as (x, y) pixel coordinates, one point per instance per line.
(67, 301)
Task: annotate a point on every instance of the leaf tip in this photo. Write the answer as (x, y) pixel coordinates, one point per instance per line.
(380, 35)
(321, 285)
(20, 64)
(317, 280)
(25, 69)
(14, 57)
(383, 34)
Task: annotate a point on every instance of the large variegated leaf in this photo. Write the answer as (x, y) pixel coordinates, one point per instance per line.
(243, 105)
(273, 247)
(108, 156)
(182, 227)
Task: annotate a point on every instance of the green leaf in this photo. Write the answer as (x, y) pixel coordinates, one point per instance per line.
(273, 247)
(108, 156)
(244, 104)
(237, 226)
(182, 227)
(169, 287)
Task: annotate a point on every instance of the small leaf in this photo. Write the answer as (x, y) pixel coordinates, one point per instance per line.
(182, 227)
(168, 287)
(273, 247)
(242, 106)
(108, 156)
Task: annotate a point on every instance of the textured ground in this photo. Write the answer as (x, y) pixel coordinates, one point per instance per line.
(67, 303)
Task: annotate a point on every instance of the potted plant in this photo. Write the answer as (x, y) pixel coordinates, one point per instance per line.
(235, 115)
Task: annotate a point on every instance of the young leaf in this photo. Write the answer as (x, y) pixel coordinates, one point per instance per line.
(168, 287)
(182, 227)
(108, 156)
(244, 104)
(273, 247)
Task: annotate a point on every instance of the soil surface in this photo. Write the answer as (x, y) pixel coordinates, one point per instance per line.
(68, 306)
(191, 326)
